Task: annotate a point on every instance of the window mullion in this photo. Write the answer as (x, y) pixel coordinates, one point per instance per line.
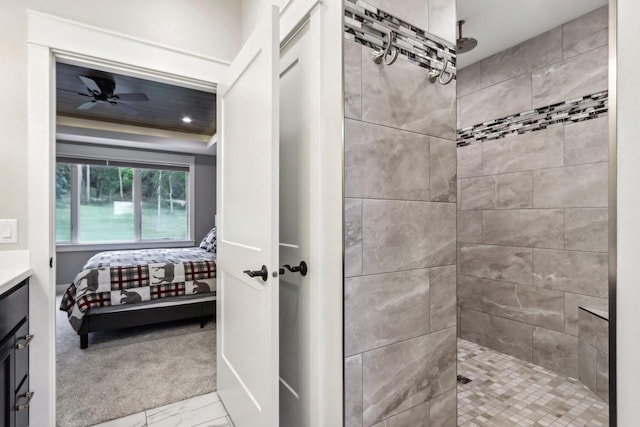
(76, 183)
(137, 204)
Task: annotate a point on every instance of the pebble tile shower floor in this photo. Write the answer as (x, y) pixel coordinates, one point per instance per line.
(506, 391)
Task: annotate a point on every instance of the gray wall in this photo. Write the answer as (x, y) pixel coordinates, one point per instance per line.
(400, 205)
(532, 218)
(69, 264)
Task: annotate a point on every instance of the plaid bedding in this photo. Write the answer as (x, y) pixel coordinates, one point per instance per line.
(129, 277)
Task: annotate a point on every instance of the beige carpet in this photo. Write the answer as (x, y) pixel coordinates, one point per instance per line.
(127, 371)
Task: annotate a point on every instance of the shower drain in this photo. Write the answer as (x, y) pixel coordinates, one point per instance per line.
(463, 380)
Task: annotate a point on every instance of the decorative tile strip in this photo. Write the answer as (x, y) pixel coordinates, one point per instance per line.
(368, 25)
(574, 110)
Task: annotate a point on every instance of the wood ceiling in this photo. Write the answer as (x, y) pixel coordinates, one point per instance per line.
(165, 109)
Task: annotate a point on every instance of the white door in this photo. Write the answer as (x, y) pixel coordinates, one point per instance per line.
(248, 235)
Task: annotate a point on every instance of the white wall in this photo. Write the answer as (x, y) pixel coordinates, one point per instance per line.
(628, 298)
(208, 27)
(252, 10)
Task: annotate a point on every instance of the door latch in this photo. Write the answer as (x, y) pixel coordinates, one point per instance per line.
(301, 268)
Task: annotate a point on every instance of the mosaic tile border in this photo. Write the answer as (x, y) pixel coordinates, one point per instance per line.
(573, 110)
(368, 25)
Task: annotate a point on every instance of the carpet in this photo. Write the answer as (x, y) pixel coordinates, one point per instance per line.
(130, 370)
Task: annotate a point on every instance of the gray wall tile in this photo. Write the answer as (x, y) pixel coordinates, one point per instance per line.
(526, 304)
(532, 150)
(586, 142)
(556, 351)
(583, 186)
(503, 263)
(469, 79)
(539, 228)
(593, 330)
(469, 161)
(352, 237)
(571, 304)
(385, 308)
(352, 80)
(442, 170)
(443, 411)
(399, 235)
(469, 292)
(571, 271)
(415, 12)
(587, 355)
(469, 226)
(402, 375)
(442, 19)
(522, 58)
(479, 107)
(442, 289)
(416, 416)
(574, 77)
(385, 163)
(602, 376)
(508, 191)
(586, 229)
(475, 326)
(353, 391)
(402, 97)
(586, 32)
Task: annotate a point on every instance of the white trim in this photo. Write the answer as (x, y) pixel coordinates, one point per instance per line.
(120, 246)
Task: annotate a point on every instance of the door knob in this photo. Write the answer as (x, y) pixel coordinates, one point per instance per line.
(263, 273)
(302, 268)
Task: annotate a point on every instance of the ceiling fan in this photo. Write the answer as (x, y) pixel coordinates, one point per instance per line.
(102, 91)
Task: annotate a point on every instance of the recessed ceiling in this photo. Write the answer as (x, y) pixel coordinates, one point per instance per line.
(500, 24)
(166, 107)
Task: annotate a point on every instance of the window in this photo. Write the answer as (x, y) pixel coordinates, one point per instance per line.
(108, 201)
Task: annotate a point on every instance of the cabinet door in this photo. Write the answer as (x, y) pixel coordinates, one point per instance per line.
(7, 383)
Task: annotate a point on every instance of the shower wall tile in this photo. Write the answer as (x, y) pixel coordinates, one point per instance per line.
(583, 186)
(475, 326)
(416, 416)
(443, 411)
(415, 12)
(352, 80)
(386, 163)
(469, 79)
(594, 330)
(582, 273)
(470, 292)
(352, 237)
(556, 351)
(586, 32)
(480, 106)
(587, 364)
(353, 391)
(586, 229)
(586, 142)
(537, 52)
(402, 97)
(469, 226)
(571, 304)
(386, 308)
(403, 375)
(442, 170)
(442, 289)
(507, 191)
(526, 304)
(533, 150)
(470, 161)
(602, 376)
(503, 263)
(401, 235)
(577, 76)
(442, 19)
(538, 228)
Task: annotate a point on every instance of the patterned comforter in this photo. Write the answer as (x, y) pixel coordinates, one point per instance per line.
(129, 277)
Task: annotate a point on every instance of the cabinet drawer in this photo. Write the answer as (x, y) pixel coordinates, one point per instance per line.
(22, 341)
(23, 399)
(14, 306)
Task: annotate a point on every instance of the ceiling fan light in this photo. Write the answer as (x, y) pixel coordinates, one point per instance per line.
(186, 119)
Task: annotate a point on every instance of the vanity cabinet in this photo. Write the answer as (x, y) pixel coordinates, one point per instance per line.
(15, 396)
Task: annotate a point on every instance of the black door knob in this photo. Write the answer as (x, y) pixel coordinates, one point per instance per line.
(263, 273)
(302, 268)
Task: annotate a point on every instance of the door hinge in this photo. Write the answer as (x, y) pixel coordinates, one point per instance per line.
(51, 262)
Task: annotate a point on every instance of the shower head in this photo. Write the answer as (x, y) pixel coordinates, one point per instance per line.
(464, 44)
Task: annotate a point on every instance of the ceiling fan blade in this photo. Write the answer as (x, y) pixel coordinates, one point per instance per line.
(90, 84)
(131, 97)
(72, 91)
(87, 105)
(126, 109)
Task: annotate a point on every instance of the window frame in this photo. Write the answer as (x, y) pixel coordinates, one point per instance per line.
(152, 158)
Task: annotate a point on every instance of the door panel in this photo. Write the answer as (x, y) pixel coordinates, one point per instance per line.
(248, 162)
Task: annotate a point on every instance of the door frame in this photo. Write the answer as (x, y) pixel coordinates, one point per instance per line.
(50, 38)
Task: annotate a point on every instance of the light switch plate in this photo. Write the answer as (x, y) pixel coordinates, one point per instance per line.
(8, 231)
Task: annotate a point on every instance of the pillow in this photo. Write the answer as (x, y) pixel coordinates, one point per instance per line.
(209, 240)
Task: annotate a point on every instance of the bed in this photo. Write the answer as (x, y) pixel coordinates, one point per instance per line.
(119, 289)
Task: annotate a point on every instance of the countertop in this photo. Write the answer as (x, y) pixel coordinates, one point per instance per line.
(14, 268)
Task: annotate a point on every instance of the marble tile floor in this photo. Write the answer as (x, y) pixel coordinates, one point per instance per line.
(506, 391)
(200, 411)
